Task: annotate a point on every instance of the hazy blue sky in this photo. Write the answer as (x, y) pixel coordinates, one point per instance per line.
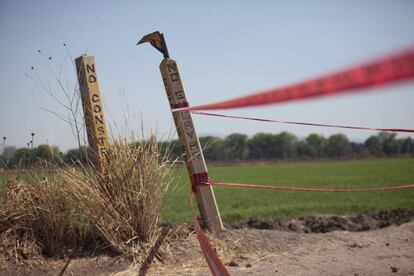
(224, 49)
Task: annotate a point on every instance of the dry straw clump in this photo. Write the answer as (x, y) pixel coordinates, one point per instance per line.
(58, 215)
(124, 204)
(37, 218)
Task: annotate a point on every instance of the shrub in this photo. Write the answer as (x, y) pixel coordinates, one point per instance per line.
(124, 204)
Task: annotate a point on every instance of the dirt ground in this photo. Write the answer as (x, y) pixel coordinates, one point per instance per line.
(379, 243)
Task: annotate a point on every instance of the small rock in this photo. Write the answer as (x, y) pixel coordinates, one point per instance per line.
(394, 269)
(249, 265)
(293, 227)
(233, 263)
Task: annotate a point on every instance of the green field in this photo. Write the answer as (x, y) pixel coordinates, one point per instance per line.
(240, 203)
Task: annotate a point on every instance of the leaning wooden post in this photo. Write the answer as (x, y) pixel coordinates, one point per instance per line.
(92, 109)
(187, 135)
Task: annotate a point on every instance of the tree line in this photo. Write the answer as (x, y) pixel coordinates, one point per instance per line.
(237, 147)
(285, 145)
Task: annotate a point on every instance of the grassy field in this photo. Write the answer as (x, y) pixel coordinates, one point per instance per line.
(240, 203)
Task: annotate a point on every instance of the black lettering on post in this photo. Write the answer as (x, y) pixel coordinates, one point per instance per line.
(97, 108)
(190, 134)
(188, 125)
(95, 98)
(90, 68)
(102, 140)
(175, 77)
(179, 95)
(172, 67)
(91, 79)
(101, 130)
(193, 147)
(99, 119)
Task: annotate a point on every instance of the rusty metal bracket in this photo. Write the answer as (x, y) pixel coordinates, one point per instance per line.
(157, 41)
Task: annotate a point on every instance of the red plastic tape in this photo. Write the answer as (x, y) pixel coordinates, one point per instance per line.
(376, 73)
(214, 263)
(179, 105)
(198, 179)
(301, 123)
(324, 190)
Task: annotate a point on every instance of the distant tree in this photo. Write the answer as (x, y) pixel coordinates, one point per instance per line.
(390, 145)
(76, 156)
(374, 145)
(213, 148)
(407, 146)
(313, 146)
(284, 145)
(8, 153)
(301, 149)
(236, 146)
(22, 158)
(358, 149)
(261, 146)
(171, 147)
(338, 146)
(47, 154)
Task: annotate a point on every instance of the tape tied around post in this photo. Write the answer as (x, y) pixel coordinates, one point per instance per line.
(179, 105)
(200, 179)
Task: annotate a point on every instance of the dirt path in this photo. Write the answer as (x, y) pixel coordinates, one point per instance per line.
(302, 247)
(389, 251)
(288, 250)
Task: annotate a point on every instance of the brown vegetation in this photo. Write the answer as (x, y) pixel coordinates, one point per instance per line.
(64, 214)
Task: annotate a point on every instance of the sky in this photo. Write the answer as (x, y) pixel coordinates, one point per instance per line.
(224, 49)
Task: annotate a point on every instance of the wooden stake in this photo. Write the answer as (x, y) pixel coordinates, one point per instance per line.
(92, 109)
(190, 144)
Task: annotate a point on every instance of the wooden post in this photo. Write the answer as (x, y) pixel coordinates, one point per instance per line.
(92, 109)
(190, 144)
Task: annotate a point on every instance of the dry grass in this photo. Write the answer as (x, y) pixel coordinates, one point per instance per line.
(120, 209)
(37, 218)
(124, 205)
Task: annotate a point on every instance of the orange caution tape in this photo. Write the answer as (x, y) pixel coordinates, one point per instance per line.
(214, 263)
(379, 72)
(323, 190)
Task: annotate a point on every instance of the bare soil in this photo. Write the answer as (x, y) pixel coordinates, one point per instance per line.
(380, 243)
(329, 223)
